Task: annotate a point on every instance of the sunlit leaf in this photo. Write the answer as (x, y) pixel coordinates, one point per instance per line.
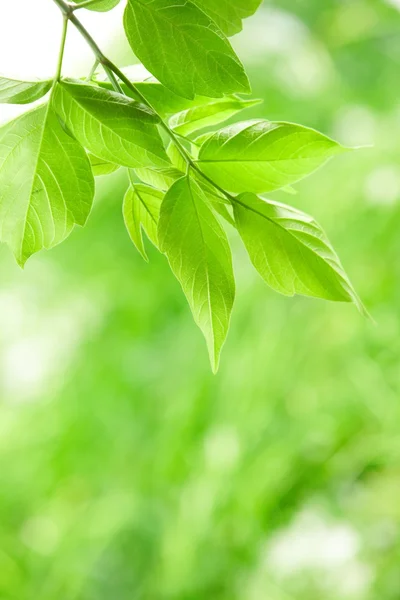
(290, 250)
(100, 5)
(14, 91)
(181, 46)
(110, 125)
(100, 166)
(200, 257)
(141, 211)
(261, 156)
(46, 183)
(228, 14)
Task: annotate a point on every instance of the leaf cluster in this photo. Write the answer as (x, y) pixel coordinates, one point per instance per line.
(186, 186)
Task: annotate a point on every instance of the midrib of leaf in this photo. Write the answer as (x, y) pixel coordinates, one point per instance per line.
(204, 252)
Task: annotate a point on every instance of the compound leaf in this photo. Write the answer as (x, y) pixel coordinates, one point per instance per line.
(261, 156)
(200, 257)
(100, 5)
(183, 48)
(290, 250)
(46, 183)
(228, 14)
(14, 91)
(206, 115)
(110, 125)
(141, 210)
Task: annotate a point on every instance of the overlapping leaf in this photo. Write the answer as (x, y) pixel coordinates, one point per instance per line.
(200, 257)
(163, 100)
(110, 125)
(181, 46)
(228, 14)
(46, 183)
(141, 211)
(261, 156)
(206, 115)
(290, 250)
(162, 179)
(15, 91)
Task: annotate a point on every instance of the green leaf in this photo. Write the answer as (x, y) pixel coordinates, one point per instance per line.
(261, 156)
(183, 48)
(228, 14)
(176, 157)
(46, 183)
(163, 100)
(14, 91)
(162, 179)
(110, 125)
(290, 250)
(100, 166)
(100, 5)
(206, 115)
(200, 257)
(141, 210)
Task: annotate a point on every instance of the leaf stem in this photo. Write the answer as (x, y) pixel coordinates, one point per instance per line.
(62, 49)
(113, 71)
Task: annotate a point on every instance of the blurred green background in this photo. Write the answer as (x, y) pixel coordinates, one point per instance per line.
(127, 470)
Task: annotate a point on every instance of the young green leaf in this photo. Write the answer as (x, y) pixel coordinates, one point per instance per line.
(100, 166)
(183, 48)
(110, 125)
(14, 91)
(46, 183)
(141, 210)
(162, 179)
(261, 156)
(100, 5)
(176, 157)
(206, 115)
(163, 100)
(290, 250)
(200, 257)
(228, 14)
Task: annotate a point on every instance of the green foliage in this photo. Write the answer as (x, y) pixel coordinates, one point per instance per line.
(260, 156)
(228, 14)
(142, 211)
(290, 250)
(14, 91)
(191, 56)
(145, 118)
(110, 125)
(46, 184)
(200, 257)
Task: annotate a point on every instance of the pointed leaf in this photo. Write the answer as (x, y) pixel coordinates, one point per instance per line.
(141, 210)
(290, 250)
(228, 14)
(261, 156)
(183, 48)
(206, 115)
(200, 257)
(46, 183)
(14, 91)
(110, 125)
